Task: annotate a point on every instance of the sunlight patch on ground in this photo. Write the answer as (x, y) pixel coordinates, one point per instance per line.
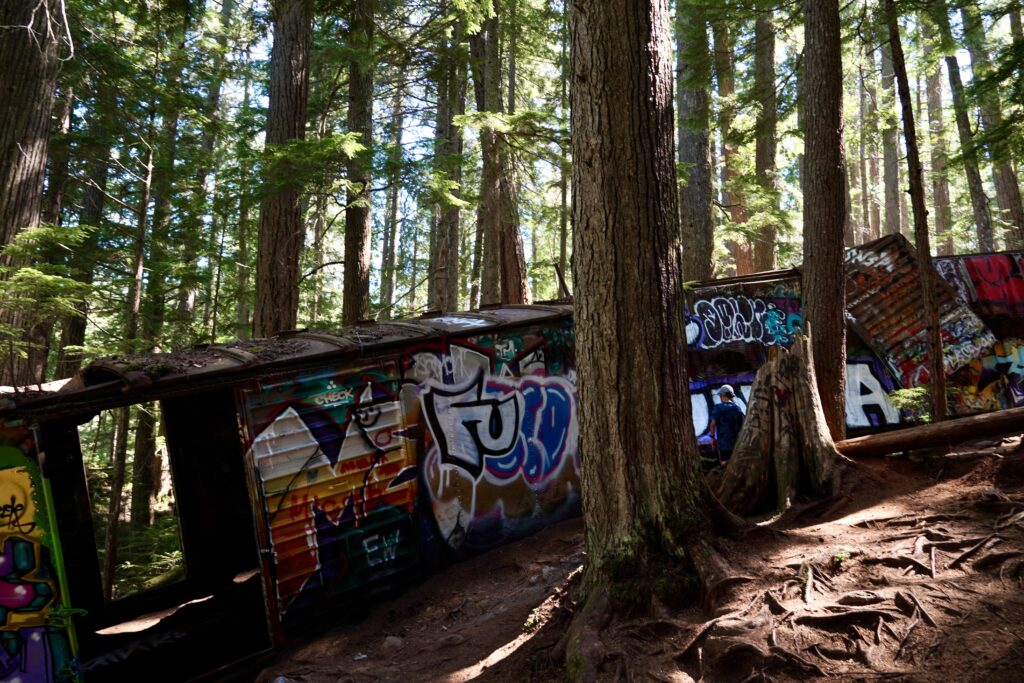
(538, 618)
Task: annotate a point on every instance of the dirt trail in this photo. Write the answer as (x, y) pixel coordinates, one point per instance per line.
(916, 575)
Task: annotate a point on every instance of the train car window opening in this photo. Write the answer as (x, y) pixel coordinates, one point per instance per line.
(211, 591)
(141, 549)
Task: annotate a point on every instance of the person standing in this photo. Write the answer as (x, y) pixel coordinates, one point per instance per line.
(726, 421)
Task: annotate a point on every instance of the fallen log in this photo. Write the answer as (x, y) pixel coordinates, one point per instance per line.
(938, 434)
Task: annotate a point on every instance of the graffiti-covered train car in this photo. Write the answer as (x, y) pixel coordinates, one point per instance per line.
(279, 484)
(310, 472)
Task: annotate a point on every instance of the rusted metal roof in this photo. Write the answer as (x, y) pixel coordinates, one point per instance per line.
(129, 378)
(884, 306)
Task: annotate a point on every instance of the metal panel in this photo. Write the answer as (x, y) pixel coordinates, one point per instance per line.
(884, 306)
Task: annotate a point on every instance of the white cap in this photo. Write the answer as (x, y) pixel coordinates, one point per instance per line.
(726, 389)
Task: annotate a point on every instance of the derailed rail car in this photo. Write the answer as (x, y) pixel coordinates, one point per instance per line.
(311, 471)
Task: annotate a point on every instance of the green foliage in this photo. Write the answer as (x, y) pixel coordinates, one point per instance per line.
(915, 401)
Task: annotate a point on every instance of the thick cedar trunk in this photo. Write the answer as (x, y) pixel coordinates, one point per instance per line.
(784, 438)
(890, 142)
(726, 77)
(281, 230)
(694, 105)
(358, 223)
(937, 138)
(968, 150)
(1004, 176)
(929, 296)
(31, 33)
(823, 281)
(643, 490)
(387, 268)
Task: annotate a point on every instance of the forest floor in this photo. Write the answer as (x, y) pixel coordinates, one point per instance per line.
(917, 574)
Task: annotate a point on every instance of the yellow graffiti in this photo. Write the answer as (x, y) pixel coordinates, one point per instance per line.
(17, 504)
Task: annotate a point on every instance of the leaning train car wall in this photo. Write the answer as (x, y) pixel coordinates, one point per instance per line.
(993, 286)
(366, 472)
(729, 330)
(35, 633)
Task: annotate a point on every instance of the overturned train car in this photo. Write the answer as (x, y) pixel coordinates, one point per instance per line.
(311, 472)
(314, 471)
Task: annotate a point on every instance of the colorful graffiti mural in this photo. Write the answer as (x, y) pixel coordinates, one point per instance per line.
(883, 301)
(993, 286)
(35, 645)
(485, 426)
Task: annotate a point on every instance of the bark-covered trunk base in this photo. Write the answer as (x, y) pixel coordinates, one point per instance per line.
(784, 449)
(622, 607)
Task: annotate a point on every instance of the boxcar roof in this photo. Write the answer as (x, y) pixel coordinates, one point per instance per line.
(125, 379)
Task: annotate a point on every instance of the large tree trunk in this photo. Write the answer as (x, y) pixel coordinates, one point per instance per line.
(698, 229)
(765, 136)
(937, 137)
(645, 499)
(486, 80)
(968, 150)
(444, 267)
(281, 229)
(726, 77)
(784, 439)
(31, 33)
(358, 222)
(929, 296)
(823, 279)
(890, 142)
(1004, 176)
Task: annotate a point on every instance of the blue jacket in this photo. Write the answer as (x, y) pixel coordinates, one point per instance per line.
(728, 419)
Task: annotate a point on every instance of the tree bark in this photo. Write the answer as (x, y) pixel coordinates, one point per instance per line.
(726, 77)
(823, 281)
(31, 33)
(1004, 177)
(937, 137)
(358, 223)
(890, 142)
(644, 496)
(968, 150)
(387, 268)
(486, 79)
(694, 70)
(876, 206)
(865, 188)
(243, 296)
(281, 229)
(451, 84)
(929, 296)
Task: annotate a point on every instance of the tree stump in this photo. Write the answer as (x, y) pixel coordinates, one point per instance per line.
(784, 447)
